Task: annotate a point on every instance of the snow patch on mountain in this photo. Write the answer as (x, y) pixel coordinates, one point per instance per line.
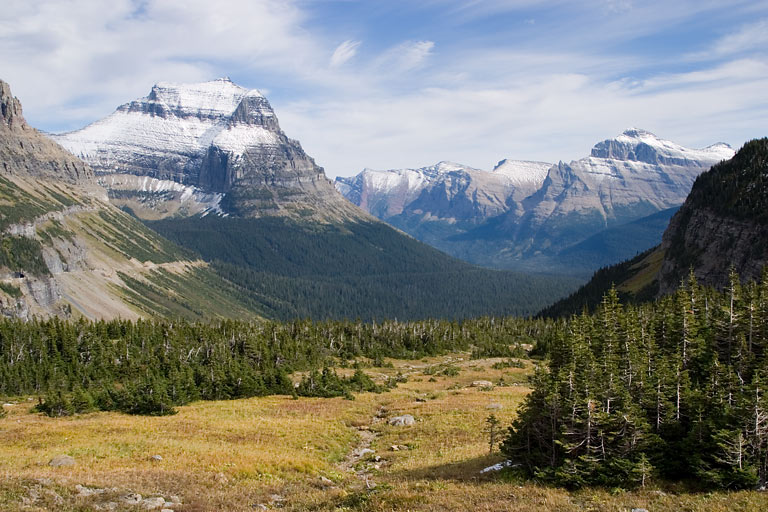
(217, 98)
(200, 201)
(523, 172)
(640, 145)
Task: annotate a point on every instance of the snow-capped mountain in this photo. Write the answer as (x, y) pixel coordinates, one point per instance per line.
(432, 203)
(524, 211)
(631, 176)
(216, 137)
(624, 178)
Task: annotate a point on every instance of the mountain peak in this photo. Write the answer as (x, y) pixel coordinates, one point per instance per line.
(448, 166)
(636, 144)
(638, 133)
(10, 107)
(215, 98)
(27, 152)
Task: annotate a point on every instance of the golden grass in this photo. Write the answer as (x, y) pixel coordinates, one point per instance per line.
(235, 454)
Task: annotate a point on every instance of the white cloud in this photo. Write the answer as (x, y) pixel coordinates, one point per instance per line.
(542, 116)
(90, 55)
(406, 56)
(550, 96)
(344, 52)
(750, 37)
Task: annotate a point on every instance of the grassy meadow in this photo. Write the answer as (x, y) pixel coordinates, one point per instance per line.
(308, 454)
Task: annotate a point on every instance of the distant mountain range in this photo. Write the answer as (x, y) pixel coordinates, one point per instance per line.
(721, 227)
(257, 228)
(527, 215)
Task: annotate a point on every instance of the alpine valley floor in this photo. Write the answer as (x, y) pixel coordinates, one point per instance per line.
(310, 454)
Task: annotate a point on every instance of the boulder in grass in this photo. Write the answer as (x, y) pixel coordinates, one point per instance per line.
(402, 421)
(61, 461)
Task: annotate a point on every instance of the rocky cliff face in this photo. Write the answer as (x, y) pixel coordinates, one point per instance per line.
(213, 136)
(26, 152)
(723, 224)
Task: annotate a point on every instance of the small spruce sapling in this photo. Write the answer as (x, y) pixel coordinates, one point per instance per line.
(492, 429)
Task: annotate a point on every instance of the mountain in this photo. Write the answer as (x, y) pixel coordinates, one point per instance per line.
(447, 199)
(721, 226)
(25, 152)
(194, 148)
(65, 251)
(523, 215)
(626, 178)
(208, 166)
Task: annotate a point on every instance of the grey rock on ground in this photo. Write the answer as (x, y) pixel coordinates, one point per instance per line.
(402, 421)
(131, 499)
(153, 503)
(62, 460)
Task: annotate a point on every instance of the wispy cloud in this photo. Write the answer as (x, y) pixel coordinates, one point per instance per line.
(753, 36)
(406, 56)
(344, 52)
(99, 54)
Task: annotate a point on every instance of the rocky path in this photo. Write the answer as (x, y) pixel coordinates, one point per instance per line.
(362, 459)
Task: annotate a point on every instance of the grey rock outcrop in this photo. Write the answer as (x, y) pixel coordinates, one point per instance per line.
(25, 151)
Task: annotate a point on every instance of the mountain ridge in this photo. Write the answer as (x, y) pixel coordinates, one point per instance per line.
(628, 177)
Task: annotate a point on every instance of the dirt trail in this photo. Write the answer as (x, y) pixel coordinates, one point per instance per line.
(354, 462)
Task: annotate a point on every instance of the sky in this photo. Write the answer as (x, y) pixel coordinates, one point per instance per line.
(389, 84)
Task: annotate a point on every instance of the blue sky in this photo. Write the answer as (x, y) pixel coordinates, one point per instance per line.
(405, 83)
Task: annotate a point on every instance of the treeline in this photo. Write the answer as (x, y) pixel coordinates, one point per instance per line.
(150, 366)
(674, 389)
